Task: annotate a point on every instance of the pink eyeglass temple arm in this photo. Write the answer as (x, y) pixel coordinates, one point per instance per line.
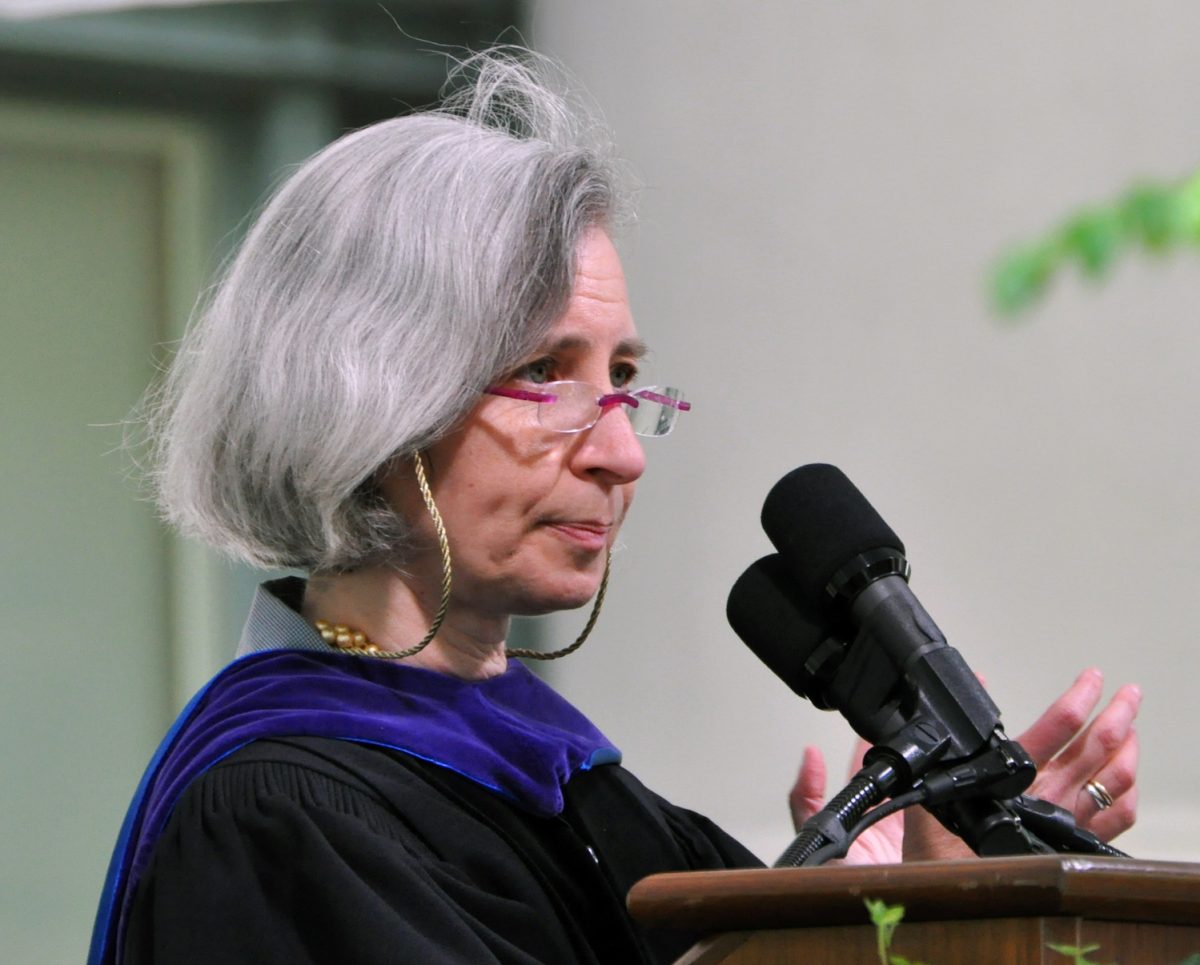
(616, 398)
(665, 400)
(521, 394)
(604, 401)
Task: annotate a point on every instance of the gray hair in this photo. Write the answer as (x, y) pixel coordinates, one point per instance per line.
(389, 280)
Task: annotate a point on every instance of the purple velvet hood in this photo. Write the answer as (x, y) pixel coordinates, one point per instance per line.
(511, 734)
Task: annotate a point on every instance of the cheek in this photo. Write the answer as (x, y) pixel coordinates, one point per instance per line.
(501, 502)
(494, 480)
(627, 492)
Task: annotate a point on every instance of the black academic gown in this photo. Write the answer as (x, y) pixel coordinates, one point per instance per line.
(307, 850)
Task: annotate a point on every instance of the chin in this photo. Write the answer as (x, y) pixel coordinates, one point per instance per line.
(538, 601)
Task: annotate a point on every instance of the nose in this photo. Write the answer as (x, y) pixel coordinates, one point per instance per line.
(610, 450)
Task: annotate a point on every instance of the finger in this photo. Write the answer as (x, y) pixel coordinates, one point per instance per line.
(857, 754)
(1064, 718)
(1117, 777)
(807, 795)
(1091, 751)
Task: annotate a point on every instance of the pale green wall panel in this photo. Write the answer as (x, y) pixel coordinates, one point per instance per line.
(86, 574)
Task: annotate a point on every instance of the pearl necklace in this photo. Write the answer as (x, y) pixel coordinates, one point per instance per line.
(345, 638)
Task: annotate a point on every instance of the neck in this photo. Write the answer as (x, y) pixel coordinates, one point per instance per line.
(395, 611)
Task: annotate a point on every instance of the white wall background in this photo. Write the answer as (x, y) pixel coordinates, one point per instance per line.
(825, 186)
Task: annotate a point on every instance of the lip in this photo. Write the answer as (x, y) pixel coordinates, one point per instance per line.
(586, 533)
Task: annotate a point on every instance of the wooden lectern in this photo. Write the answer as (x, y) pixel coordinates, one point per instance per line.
(998, 910)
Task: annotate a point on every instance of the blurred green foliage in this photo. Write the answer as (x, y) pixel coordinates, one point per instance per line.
(886, 918)
(1154, 217)
(1077, 953)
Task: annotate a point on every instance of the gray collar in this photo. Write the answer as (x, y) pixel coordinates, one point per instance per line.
(275, 622)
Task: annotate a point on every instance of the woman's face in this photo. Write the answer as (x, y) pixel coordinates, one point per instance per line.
(531, 513)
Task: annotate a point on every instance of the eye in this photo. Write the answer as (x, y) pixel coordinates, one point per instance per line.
(624, 374)
(539, 371)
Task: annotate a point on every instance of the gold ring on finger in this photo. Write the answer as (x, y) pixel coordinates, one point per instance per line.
(1099, 794)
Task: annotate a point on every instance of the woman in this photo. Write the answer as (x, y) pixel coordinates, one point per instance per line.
(417, 381)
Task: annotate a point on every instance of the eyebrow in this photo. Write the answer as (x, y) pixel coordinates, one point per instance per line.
(628, 347)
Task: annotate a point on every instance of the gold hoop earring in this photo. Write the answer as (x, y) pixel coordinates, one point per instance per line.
(555, 654)
(357, 643)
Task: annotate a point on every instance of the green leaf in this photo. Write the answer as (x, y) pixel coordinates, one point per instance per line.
(882, 914)
(1021, 276)
(1188, 209)
(1077, 953)
(1150, 210)
(1093, 239)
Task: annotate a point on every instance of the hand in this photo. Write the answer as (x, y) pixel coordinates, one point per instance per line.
(880, 844)
(1068, 751)
(906, 835)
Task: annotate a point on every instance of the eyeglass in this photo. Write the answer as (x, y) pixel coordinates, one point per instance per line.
(575, 406)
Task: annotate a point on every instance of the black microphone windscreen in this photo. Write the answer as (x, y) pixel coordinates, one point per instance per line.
(819, 521)
(763, 612)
